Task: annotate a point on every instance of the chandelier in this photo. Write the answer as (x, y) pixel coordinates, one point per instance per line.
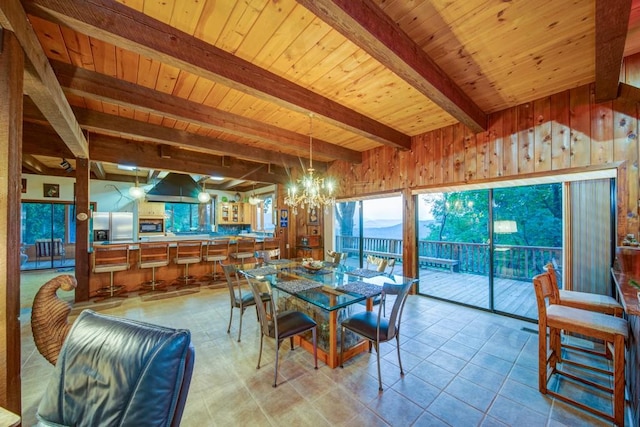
(311, 191)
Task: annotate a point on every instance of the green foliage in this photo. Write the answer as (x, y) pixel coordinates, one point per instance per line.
(464, 216)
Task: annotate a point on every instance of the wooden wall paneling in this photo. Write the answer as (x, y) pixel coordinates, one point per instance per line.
(458, 153)
(496, 138)
(560, 131)
(438, 157)
(471, 158)
(622, 217)
(580, 116)
(625, 149)
(448, 135)
(542, 135)
(483, 147)
(601, 132)
(525, 138)
(631, 70)
(510, 142)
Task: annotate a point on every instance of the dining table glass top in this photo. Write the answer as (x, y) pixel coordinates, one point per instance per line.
(330, 288)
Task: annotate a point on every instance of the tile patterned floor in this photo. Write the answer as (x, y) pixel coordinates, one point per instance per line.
(464, 367)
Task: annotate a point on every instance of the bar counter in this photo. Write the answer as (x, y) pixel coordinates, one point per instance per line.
(132, 278)
(627, 269)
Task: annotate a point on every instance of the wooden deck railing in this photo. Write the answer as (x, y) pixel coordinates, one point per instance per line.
(511, 262)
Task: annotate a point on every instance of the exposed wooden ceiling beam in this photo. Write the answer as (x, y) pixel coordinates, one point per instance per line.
(371, 29)
(42, 140)
(230, 184)
(98, 170)
(612, 22)
(94, 85)
(34, 165)
(129, 128)
(145, 155)
(628, 92)
(40, 82)
(134, 31)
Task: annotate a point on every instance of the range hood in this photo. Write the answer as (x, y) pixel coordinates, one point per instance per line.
(175, 188)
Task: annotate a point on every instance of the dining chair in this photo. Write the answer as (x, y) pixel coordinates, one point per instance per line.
(553, 318)
(379, 264)
(238, 299)
(280, 326)
(376, 328)
(337, 258)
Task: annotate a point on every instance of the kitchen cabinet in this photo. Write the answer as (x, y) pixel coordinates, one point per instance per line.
(150, 209)
(234, 213)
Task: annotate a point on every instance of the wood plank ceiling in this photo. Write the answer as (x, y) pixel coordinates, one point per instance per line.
(226, 87)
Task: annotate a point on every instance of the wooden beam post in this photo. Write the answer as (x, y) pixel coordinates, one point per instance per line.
(409, 246)
(11, 82)
(82, 229)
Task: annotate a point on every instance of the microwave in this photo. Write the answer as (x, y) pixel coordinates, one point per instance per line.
(150, 226)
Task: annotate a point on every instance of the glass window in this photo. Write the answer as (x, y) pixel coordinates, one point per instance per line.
(188, 217)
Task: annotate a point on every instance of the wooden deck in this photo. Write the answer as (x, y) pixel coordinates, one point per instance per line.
(511, 296)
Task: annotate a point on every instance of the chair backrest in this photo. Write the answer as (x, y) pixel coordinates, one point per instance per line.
(553, 273)
(245, 244)
(379, 263)
(546, 293)
(110, 255)
(189, 249)
(401, 292)
(337, 257)
(268, 324)
(231, 274)
(391, 263)
(270, 243)
(217, 247)
(90, 387)
(153, 252)
(268, 255)
(48, 247)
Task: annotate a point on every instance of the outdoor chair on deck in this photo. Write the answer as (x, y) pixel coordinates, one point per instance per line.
(376, 263)
(377, 328)
(280, 326)
(48, 249)
(337, 258)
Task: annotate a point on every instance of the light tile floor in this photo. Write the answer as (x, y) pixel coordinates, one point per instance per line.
(464, 367)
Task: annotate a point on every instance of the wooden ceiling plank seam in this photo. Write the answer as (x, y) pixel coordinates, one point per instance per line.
(368, 27)
(212, 20)
(40, 82)
(93, 84)
(610, 41)
(149, 37)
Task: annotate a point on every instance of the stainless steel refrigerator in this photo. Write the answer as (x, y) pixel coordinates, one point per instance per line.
(112, 226)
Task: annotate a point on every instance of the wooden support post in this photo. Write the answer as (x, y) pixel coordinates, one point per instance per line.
(83, 172)
(11, 85)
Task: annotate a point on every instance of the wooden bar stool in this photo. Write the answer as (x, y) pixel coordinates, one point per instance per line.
(244, 249)
(109, 259)
(187, 252)
(153, 255)
(216, 251)
(556, 318)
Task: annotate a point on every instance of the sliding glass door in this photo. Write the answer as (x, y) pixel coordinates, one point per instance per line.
(47, 235)
(482, 248)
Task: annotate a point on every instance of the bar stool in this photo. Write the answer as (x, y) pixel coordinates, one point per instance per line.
(272, 246)
(556, 318)
(152, 255)
(109, 259)
(244, 249)
(216, 251)
(187, 252)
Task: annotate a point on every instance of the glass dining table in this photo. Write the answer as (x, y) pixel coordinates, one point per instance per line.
(329, 295)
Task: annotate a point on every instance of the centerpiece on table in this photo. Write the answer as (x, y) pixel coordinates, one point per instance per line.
(311, 265)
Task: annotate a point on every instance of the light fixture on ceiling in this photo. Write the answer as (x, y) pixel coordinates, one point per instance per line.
(64, 164)
(314, 191)
(204, 196)
(253, 199)
(136, 192)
